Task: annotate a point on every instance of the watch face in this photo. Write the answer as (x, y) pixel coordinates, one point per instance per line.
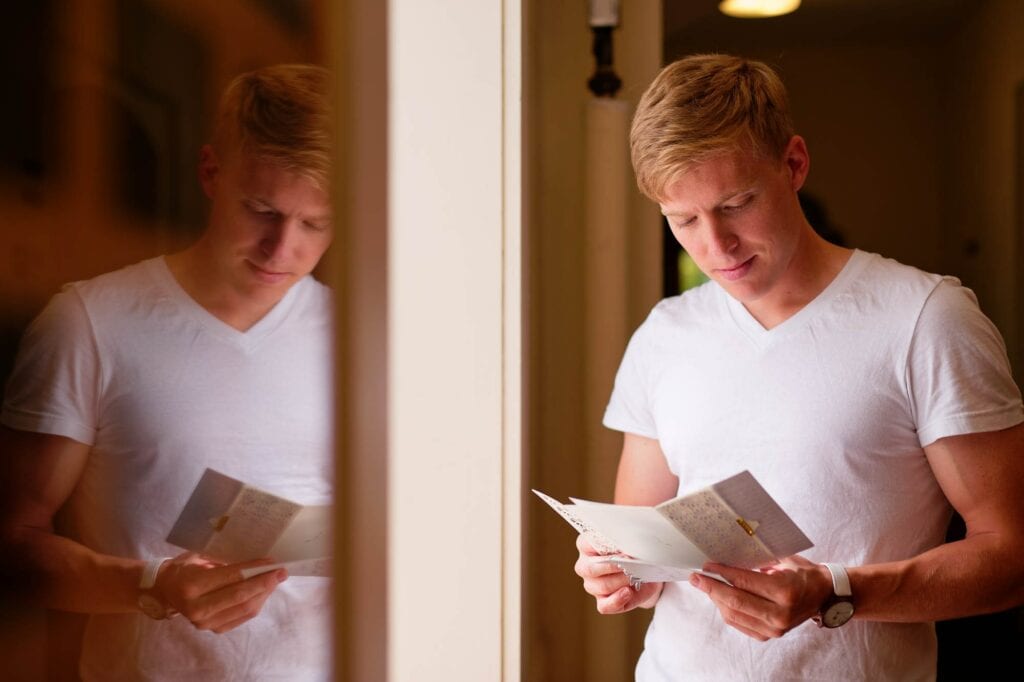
(153, 607)
(837, 614)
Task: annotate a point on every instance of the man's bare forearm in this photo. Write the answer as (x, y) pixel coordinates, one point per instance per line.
(979, 574)
(67, 576)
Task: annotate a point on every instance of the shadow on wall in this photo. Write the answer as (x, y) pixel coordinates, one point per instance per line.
(817, 216)
(965, 644)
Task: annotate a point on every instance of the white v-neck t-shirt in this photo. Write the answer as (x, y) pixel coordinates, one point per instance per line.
(830, 411)
(161, 389)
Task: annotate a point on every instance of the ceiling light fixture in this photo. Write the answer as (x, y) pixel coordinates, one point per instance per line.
(757, 9)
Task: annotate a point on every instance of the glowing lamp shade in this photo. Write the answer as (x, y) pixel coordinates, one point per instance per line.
(757, 9)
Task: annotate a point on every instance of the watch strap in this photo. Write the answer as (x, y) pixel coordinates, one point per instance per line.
(150, 603)
(150, 571)
(840, 580)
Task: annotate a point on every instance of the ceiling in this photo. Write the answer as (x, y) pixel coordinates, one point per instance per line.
(698, 22)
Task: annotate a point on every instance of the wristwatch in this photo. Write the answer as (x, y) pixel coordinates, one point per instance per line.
(148, 601)
(838, 607)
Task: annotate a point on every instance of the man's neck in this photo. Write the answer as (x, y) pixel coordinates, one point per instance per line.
(815, 265)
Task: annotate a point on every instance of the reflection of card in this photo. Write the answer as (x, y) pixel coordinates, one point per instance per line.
(306, 537)
(734, 521)
(645, 572)
(301, 567)
(229, 520)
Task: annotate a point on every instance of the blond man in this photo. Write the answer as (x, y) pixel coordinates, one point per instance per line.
(869, 398)
(129, 385)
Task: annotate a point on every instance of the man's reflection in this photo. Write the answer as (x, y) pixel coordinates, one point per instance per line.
(128, 386)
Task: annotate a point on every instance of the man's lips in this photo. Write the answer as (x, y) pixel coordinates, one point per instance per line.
(734, 273)
(270, 276)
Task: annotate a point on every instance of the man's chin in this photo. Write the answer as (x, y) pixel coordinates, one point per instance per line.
(743, 291)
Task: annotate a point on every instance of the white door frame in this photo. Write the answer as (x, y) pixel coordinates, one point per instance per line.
(444, 580)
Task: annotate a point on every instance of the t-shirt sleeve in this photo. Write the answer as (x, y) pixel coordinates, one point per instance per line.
(628, 409)
(54, 386)
(958, 374)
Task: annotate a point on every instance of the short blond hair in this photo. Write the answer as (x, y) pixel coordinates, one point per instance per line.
(703, 105)
(281, 114)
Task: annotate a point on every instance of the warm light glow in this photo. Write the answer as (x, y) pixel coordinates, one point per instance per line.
(757, 9)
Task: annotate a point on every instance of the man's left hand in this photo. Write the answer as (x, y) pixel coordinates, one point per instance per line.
(770, 602)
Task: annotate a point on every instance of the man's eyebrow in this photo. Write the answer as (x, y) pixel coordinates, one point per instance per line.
(263, 203)
(256, 201)
(731, 194)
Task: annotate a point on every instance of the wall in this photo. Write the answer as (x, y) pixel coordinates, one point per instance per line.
(982, 70)
(358, 270)
(868, 115)
(569, 453)
(453, 319)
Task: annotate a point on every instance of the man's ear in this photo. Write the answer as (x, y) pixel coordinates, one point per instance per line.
(798, 161)
(209, 169)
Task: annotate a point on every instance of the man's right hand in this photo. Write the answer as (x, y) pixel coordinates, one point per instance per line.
(609, 586)
(212, 596)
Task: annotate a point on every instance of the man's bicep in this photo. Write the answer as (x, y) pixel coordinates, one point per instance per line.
(982, 475)
(40, 473)
(643, 477)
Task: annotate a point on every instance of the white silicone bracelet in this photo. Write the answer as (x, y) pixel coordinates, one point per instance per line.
(150, 571)
(840, 580)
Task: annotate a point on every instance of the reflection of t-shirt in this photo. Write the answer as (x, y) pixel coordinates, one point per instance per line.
(129, 364)
(829, 411)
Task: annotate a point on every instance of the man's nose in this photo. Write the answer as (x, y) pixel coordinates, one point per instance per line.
(721, 238)
(277, 237)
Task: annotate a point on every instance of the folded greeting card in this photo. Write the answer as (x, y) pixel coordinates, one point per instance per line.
(232, 521)
(734, 522)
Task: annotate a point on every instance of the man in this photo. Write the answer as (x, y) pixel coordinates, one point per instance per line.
(869, 398)
(129, 385)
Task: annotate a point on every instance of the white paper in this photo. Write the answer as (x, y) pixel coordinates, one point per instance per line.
(318, 567)
(230, 521)
(307, 536)
(733, 522)
(645, 572)
(250, 526)
(597, 541)
(642, 533)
